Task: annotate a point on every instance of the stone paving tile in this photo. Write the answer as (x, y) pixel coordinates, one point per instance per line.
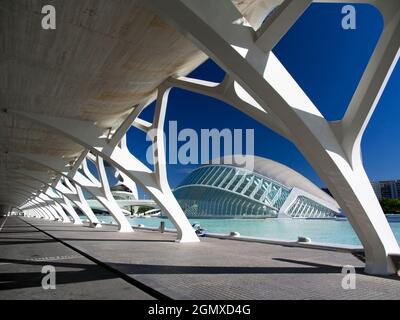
(24, 251)
(224, 269)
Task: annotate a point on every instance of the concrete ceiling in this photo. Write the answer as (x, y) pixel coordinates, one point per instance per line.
(104, 58)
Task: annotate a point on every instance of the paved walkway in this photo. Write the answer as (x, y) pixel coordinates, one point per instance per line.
(24, 251)
(211, 269)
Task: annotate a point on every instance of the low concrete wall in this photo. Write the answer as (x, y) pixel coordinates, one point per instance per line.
(286, 243)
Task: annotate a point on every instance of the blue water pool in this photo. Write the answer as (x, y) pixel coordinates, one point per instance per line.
(327, 231)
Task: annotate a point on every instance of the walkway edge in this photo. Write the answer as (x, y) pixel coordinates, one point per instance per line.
(149, 290)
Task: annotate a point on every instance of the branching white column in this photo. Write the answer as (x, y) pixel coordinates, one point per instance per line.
(54, 191)
(31, 207)
(87, 181)
(103, 193)
(52, 204)
(154, 183)
(41, 212)
(28, 208)
(258, 78)
(65, 204)
(75, 194)
(40, 206)
(123, 178)
(30, 212)
(37, 202)
(72, 193)
(69, 193)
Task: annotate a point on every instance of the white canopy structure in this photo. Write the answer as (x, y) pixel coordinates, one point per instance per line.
(69, 96)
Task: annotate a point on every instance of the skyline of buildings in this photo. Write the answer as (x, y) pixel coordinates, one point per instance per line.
(384, 189)
(387, 189)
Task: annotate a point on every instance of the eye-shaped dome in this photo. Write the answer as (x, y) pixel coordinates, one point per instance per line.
(252, 187)
(277, 172)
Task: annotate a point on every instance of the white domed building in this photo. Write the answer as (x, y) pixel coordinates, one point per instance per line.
(270, 190)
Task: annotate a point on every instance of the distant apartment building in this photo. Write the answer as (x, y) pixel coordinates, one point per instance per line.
(389, 189)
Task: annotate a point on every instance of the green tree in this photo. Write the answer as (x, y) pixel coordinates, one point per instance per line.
(390, 205)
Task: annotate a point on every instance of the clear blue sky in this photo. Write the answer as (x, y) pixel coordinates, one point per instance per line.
(327, 62)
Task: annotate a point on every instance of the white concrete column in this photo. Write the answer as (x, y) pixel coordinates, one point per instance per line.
(44, 215)
(53, 205)
(65, 204)
(82, 204)
(35, 203)
(103, 193)
(40, 205)
(154, 183)
(256, 76)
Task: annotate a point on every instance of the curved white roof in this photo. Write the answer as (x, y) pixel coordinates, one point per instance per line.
(277, 172)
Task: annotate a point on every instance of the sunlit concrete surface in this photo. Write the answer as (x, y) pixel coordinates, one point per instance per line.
(211, 269)
(24, 251)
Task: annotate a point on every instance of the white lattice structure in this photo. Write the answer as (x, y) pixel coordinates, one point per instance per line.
(242, 47)
(269, 190)
(90, 101)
